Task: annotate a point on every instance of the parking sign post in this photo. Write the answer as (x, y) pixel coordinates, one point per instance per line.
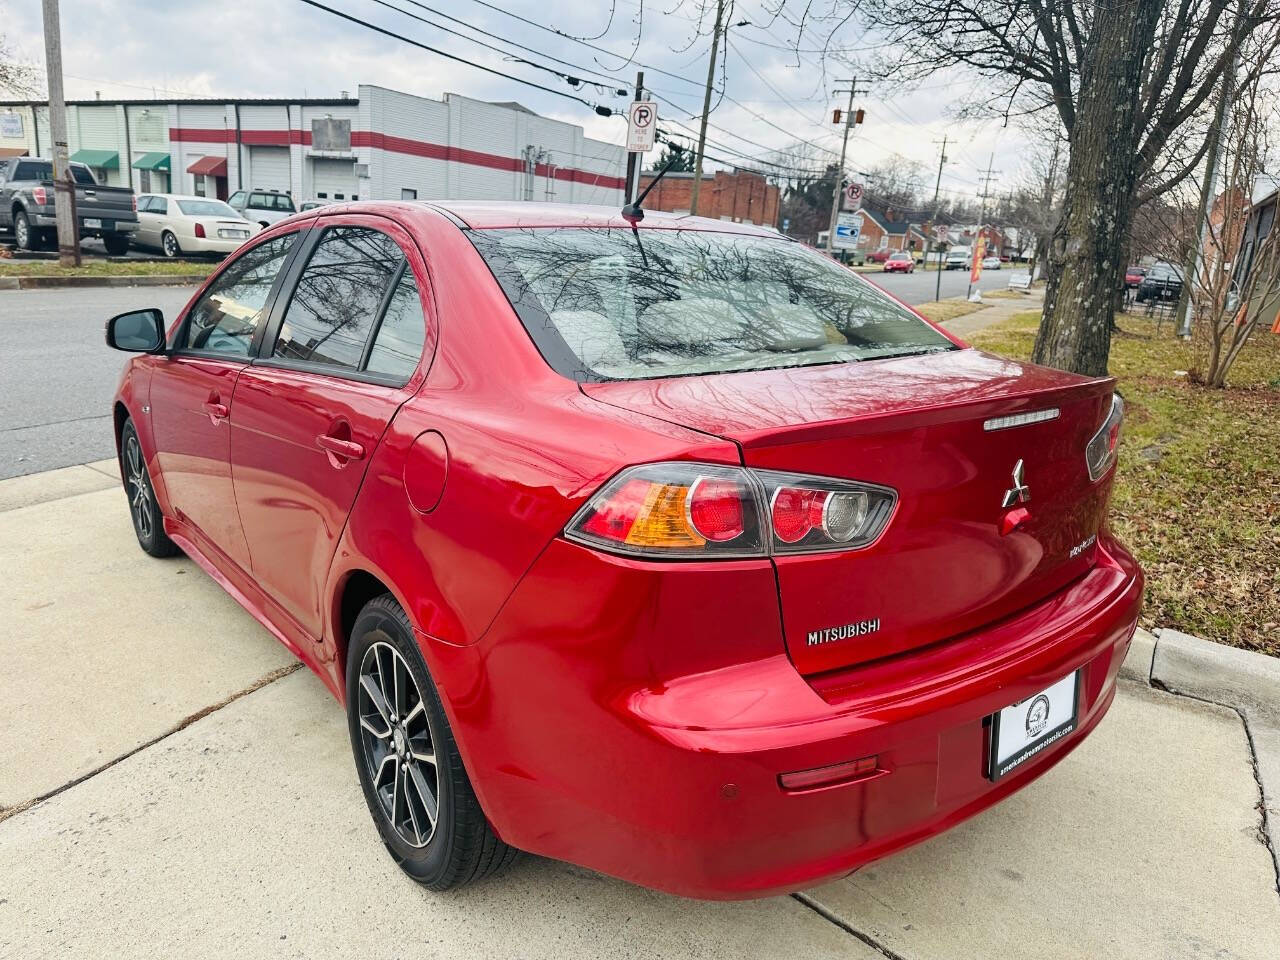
(633, 159)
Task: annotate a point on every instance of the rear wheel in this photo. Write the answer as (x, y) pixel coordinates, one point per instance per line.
(24, 235)
(117, 244)
(412, 775)
(148, 522)
(169, 245)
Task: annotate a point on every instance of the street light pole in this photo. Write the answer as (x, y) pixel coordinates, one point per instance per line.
(937, 191)
(706, 109)
(63, 186)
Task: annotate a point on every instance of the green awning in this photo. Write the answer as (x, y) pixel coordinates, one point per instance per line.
(152, 161)
(102, 159)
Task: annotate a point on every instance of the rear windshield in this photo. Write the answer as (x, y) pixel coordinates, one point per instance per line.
(43, 170)
(207, 208)
(624, 305)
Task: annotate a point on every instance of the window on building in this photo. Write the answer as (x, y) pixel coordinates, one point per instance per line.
(230, 312)
(339, 196)
(322, 196)
(397, 346)
(144, 179)
(198, 188)
(336, 302)
(407, 194)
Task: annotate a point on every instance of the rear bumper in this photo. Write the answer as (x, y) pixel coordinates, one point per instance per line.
(585, 744)
(118, 226)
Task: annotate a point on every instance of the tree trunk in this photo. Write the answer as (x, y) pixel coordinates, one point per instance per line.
(1090, 242)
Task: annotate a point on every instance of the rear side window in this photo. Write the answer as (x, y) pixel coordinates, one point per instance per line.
(338, 297)
(230, 312)
(159, 205)
(259, 201)
(397, 346)
(284, 202)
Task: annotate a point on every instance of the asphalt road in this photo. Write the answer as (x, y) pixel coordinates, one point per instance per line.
(59, 376)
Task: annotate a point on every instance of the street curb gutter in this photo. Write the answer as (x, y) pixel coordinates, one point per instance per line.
(1244, 681)
(40, 283)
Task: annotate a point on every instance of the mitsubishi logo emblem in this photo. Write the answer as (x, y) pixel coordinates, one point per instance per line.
(1019, 492)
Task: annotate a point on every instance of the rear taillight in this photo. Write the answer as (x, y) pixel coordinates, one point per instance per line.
(134, 199)
(1100, 454)
(200, 230)
(686, 510)
(39, 195)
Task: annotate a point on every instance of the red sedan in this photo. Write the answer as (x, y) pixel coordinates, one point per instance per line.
(669, 548)
(900, 262)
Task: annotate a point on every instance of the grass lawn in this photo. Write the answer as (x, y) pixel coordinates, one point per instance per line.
(104, 268)
(940, 311)
(1197, 497)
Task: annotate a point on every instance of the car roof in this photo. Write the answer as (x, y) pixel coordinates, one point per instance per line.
(481, 215)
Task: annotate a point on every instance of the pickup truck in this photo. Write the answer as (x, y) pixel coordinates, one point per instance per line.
(27, 206)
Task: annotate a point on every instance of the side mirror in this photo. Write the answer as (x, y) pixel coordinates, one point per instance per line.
(139, 331)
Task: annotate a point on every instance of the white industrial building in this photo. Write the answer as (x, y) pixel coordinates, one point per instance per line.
(381, 144)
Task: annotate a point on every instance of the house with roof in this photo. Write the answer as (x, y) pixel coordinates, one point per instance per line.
(882, 231)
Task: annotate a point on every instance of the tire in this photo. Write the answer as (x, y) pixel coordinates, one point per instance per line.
(390, 742)
(117, 244)
(169, 245)
(24, 235)
(148, 521)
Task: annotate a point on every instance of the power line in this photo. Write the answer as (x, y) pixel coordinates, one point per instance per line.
(603, 111)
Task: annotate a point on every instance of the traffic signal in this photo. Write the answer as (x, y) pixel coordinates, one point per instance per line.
(836, 115)
(858, 115)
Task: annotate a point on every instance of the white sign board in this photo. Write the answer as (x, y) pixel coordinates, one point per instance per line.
(848, 229)
(853, 194)
(10, 125)
(642, 126)
(941, 233)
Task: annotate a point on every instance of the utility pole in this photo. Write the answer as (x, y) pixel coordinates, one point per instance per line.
(706, 109)
(63, 186)
(988, 177)
(633, 159)
(837, 188)
(1207, 190)
(937, 191)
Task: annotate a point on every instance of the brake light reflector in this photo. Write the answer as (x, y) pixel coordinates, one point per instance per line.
(846, 772)
(1100, 454)
(40, 196)
(696, 510)
(200, 230)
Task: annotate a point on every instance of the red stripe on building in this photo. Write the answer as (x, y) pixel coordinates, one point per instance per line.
(383, 141)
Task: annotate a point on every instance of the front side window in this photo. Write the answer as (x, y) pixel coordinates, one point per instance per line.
(159, 205)
(338, 297)
(230, 312)
(622, 304)
(237, 199)
(259, 201)
(397, 346)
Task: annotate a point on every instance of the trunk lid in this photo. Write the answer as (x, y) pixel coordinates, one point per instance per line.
(944, 565)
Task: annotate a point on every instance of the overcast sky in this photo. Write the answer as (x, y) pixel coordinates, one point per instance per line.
(283, 48)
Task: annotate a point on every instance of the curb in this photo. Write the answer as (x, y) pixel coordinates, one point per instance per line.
(1241, 680)
(39, 283)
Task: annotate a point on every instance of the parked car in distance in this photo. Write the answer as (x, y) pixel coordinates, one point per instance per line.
(900, 261)
(1162, 282)
(958, 258)
(879, 256)
(175, 224)
(659, 583)
(1133, 276)
(263, 207)
(306, 205)
(991, 263)
(27, 206)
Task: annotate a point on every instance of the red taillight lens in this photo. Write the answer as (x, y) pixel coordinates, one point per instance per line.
(134, 198)
(200, 230)
(684, 509)
(1100, 454)
(40, 196)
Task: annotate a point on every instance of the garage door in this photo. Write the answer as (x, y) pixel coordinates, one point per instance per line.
(269, 168)
(333, 179)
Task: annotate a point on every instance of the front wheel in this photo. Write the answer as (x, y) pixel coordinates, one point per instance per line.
(148, 522)
(416, 788)
(117, 244)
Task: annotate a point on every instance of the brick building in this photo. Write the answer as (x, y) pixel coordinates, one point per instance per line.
(739, 196)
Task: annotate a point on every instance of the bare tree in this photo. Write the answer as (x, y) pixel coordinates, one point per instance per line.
(16, 78)
(1124, 78)
(1237, 280)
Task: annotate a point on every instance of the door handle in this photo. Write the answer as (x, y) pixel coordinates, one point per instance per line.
(347, 449)
(217, 411)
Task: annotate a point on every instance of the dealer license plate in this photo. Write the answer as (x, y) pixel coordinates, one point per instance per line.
(93, 223)
(1021, 731)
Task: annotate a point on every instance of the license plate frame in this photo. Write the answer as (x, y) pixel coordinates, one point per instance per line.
(93, 223)
(1060, 704)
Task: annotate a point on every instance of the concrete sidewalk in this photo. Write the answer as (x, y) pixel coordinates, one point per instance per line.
(204, 803)
(999, 310)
